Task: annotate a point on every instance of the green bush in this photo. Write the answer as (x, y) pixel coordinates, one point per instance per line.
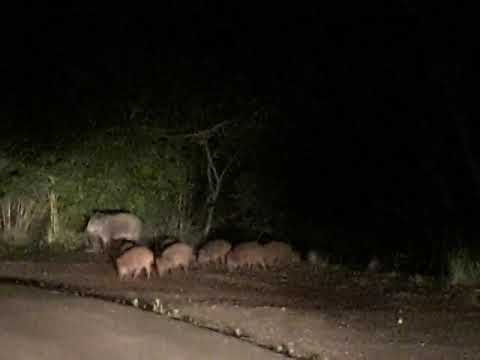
(112, 169)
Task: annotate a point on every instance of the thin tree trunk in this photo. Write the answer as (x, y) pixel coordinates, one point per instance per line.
(214, 185)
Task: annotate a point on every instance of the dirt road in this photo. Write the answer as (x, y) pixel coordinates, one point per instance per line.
(38, 324)
(308, 313)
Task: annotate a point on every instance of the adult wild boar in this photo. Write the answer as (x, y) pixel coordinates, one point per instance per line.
(103, 229)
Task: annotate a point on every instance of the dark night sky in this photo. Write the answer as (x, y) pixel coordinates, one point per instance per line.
(369, 95)
(303, 54)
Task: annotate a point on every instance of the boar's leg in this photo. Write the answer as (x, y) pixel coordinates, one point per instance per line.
(137, 272)
(93, 244)
(147, 271)
(104, 242)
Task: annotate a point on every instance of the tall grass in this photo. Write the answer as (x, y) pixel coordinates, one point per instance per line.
(463, 268)
(21, 220)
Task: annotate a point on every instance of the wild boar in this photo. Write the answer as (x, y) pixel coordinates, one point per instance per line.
(103, 228)
(214, 252)
(279, 253)
(133, 261)
(248, 254)
(176, 256)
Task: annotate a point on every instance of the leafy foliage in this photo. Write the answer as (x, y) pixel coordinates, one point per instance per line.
(112, 169)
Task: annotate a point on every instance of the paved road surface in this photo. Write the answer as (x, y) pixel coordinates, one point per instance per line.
(37, 324)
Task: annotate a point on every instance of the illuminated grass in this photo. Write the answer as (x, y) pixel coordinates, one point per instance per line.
(463, 268)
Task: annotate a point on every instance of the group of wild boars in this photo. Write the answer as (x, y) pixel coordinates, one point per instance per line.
(105, 228)
(137, 259)
(176, 256)
(122, 231)
(180, 256)
(214, 252)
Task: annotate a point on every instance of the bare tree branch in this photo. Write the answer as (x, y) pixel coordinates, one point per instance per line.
(200, 135)
(229, 164)
(211, 164)
(215, 184)
(214, 176)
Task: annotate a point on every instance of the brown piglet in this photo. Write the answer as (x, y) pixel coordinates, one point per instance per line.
(248, 254)
(279, 253)
(175, 256)
(213, 252)
(133, 261)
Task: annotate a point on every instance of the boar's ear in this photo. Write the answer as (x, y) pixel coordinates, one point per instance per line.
(85, 220)
(96, 213)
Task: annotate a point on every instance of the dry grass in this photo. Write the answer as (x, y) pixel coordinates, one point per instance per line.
(463, 269)
(20, 219)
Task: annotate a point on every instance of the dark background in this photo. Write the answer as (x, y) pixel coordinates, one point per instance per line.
(374, 131)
